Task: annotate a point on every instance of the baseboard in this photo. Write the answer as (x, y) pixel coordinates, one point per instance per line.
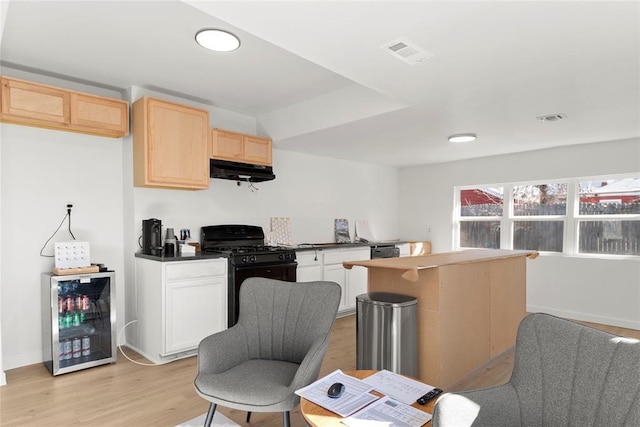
(345, 313)
(13, 362)
(161, 360)
(3, 379)
(585, 317)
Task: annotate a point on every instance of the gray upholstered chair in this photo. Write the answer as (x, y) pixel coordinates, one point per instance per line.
(276, 347)
(565, 374)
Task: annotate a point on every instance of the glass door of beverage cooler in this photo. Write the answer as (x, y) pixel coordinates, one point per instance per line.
(79, 321)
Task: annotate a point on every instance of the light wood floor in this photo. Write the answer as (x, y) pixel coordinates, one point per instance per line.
(126, 394)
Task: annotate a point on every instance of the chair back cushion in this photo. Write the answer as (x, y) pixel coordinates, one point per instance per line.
(570, 374)
(283, 319)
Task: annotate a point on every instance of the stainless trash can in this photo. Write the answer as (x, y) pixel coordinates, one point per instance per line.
(387, 332)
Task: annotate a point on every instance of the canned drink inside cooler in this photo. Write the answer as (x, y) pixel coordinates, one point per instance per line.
(61, 351)
(68, 320)
(68, 304)
(86, 346)
(85, 302)
(76, 319)
(77, 348)
(67, 350)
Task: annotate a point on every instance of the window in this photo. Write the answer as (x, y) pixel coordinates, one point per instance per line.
(544, 210)
(482, 206)
(608, 212)
(577, 216)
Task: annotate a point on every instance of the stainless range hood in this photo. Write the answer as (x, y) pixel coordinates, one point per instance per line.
(223, 169)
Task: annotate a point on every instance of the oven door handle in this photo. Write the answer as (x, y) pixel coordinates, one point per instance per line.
(243, 267)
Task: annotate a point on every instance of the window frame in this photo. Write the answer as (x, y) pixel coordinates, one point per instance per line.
(571, 219)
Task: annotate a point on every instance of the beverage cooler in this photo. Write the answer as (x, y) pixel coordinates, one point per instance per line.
(79, 321)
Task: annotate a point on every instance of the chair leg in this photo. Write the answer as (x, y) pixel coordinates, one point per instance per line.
(248, 415)
(285, 419)
(210, 412)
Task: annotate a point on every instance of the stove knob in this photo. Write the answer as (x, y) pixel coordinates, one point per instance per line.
(244, 259)
(280, 256)
(252, 258)
(288, 256)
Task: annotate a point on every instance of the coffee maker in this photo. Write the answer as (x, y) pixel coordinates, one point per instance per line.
(152, 237)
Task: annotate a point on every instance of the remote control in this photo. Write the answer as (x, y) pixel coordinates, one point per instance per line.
(430, 395)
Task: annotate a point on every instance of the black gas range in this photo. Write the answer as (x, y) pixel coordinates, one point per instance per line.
(248, 256)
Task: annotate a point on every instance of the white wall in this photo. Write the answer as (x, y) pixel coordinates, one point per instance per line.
(3, 377)
(4, 6)
(42, 170)
(603, 291)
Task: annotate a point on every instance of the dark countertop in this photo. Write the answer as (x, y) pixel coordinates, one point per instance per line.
(320, 246)
(196, 257)
(299, 247)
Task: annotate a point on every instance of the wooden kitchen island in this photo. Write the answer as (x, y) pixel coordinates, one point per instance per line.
(470, 304)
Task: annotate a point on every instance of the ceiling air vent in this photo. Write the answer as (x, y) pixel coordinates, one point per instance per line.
(551, 118)
(406, 50)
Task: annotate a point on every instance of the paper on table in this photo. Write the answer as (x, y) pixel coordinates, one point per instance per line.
(390, 413)
(356, 393)
(397, 386)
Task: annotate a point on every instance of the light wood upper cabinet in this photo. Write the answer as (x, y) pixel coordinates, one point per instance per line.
(170, 145)
(34, 104)
(257, 150)
(238, 147)
(95, 112)
(227, 145)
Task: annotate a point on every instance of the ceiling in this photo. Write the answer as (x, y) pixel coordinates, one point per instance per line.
(318, 82)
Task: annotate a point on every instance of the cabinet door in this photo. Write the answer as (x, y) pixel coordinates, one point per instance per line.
(171, 145)
(405, 249)
(195, 309)
(335, 273)
(227, 145)
(354, 281)
(97, 114)
(311, 273)
(257, 150)
(32, 103)
(357, 283)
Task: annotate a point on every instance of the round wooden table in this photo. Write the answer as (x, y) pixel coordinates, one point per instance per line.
(317, 416)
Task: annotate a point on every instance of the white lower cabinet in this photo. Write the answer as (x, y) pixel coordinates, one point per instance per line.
(326, 264)
(309, 266)
(178, 304)
(336, 273)
(405, 249)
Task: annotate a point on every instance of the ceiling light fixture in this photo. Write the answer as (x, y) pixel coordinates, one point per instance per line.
(463, 137)
(217, 40)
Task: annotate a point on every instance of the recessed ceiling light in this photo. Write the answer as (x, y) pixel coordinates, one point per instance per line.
(463, 137)
(217, 40)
